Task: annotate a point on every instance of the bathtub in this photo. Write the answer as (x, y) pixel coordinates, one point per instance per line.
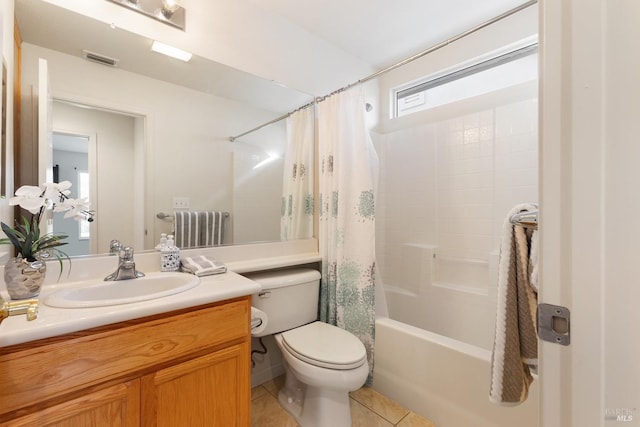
(441, 379)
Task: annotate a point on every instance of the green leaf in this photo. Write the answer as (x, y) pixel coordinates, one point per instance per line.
(13, 236)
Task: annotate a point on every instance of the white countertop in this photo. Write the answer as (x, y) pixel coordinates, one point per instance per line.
(57, 321)
(238, 258)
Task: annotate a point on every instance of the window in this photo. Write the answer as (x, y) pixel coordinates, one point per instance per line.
(500, 71)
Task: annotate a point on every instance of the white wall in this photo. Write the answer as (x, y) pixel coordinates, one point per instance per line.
(187, 151)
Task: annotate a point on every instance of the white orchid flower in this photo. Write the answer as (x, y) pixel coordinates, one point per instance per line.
(64, 205)
(53, 190)
(28, 197)
(75, 208)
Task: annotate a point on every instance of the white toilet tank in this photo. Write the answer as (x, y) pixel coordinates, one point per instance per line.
(288, 297)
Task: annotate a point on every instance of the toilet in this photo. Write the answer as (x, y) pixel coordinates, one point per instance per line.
(323, 363)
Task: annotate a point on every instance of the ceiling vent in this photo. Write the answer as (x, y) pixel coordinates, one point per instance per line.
(100, 59)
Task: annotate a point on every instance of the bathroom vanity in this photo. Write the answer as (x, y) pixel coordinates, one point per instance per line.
(187, 367)
(178, 360)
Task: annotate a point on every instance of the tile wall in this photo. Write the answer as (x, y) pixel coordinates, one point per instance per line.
(448, 185)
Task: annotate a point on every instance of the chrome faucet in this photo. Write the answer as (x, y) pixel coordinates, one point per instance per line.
(126, 266)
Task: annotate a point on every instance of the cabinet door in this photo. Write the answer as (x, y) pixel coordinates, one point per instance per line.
(212, 390)
(115, 406)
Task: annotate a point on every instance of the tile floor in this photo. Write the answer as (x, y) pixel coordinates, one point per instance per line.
(368, 409)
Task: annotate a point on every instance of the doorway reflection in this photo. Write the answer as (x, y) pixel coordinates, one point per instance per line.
(71, 163)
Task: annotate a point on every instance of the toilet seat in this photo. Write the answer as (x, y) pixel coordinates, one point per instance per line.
(326, 346)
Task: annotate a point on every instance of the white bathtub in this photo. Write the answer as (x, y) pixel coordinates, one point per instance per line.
(444, 380)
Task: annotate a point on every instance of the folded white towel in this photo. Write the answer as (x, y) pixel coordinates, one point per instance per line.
(202, 266)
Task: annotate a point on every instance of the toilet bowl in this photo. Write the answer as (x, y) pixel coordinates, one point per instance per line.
(319, 377)
(322, 362)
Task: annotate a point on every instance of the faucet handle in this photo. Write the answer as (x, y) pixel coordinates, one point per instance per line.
(115, 246)
(126, 253)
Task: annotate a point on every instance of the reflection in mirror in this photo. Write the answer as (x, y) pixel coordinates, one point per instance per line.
(71, 163)
(257, 177)
(3, 140)
(179, 117)
(110, 156)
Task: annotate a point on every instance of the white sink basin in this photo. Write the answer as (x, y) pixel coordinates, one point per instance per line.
(151, 286)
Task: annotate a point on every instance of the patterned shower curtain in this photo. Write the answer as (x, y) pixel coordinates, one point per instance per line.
(296, 221)
(347, 217)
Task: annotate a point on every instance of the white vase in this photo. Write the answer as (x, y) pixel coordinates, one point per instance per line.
(24, 278)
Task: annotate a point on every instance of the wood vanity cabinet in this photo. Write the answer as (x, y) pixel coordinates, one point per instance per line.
(185, 368)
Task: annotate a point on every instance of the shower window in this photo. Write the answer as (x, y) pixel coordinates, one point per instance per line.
(483, 76)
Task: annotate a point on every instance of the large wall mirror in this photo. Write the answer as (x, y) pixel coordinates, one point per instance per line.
(150, 135)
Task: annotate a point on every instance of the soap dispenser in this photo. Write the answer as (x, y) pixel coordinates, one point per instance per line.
(163, 242)
(170, 256)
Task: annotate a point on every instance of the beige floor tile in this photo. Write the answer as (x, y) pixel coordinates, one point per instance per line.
(273, 386)
(267, 412)
(257, 392)
(415, 420)
(381, 405)
(363, 417)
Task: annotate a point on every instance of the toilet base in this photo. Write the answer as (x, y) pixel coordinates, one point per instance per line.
(313, 406)
(315, 396)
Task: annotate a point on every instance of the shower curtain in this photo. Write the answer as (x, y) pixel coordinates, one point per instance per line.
(348, 166)
(296, 221)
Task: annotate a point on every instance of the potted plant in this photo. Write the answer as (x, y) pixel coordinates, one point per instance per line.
(25, 272)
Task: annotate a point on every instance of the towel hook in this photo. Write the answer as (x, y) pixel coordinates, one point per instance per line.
(528, 219)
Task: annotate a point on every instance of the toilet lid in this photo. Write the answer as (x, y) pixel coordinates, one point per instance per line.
(324, 345)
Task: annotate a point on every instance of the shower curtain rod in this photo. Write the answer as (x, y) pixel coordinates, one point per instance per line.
(397, 65)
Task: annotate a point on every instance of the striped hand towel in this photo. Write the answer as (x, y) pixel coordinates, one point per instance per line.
(515, 348)
(212, 228)
(202, 266)
(198, 229)
(187, 230)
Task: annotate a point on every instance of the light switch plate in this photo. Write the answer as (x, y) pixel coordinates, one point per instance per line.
(180, 203)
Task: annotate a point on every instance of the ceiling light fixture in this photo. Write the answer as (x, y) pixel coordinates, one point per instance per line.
(166, 11)
(169, 7)
(171, 51)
